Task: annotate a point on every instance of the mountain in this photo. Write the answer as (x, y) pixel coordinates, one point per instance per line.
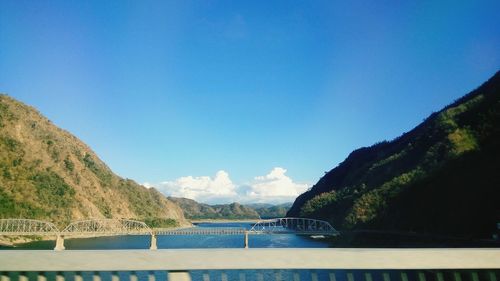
(442, 177)
(47, 173)
(259, 205)
(271, 211)
(195, 210)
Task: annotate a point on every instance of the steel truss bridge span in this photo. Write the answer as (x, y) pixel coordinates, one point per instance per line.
(27, 227)
(295, 226)
(96, 227)
(107, 227)
(271, 226)
(103, 227)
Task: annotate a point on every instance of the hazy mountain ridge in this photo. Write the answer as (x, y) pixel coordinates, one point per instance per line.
(272, 211)
(196, 210)
(47, 173)
(441, 177)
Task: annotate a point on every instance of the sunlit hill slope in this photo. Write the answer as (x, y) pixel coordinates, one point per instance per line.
(47, 173)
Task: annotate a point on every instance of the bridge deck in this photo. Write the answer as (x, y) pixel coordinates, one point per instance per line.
(25, 233)
(235, 231)
(187, 231)
(202, 231)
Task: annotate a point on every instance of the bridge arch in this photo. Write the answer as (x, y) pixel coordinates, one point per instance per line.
(107, 227)
(294, 225)
(27, 227)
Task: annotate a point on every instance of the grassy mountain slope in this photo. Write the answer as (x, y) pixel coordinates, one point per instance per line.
(442, 177)
(47, 173)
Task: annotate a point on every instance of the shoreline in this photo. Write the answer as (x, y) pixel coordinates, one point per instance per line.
(14, 241)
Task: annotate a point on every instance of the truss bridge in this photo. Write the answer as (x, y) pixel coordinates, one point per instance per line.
(107, 227)
(27, 227)
(294, 225)
(104, 227)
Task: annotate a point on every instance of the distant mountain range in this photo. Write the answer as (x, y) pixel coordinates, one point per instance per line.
(195, 210)
(442, 177)
(47, 173)
(266, 211)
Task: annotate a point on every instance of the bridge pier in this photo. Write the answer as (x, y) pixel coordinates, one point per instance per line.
(59, 243)
(153, 245)
(246, 239)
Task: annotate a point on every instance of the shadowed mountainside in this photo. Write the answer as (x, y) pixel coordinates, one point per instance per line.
(442, 177)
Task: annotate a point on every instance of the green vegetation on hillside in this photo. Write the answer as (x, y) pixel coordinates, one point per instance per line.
(160, 222)
(46, 173)
(441, 177)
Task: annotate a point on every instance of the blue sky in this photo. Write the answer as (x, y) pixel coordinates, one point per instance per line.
(269, 92)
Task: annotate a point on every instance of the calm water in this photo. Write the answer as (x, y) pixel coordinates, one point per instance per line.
(186, 241)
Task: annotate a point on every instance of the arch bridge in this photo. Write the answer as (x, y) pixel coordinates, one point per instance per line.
(107, 227)
(98, 227)
(27, 227)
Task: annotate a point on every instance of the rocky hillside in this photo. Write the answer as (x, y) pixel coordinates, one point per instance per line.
(47, 173)
(195, 210)
(442, 177)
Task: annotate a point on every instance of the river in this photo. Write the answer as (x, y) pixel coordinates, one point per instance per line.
(186, 241)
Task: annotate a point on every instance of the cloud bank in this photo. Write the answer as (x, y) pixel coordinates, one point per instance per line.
(275, 187)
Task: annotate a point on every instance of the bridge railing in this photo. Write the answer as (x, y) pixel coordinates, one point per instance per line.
(254, 264)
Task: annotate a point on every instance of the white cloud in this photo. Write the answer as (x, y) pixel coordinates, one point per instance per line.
(275, 187)
(202, 189)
